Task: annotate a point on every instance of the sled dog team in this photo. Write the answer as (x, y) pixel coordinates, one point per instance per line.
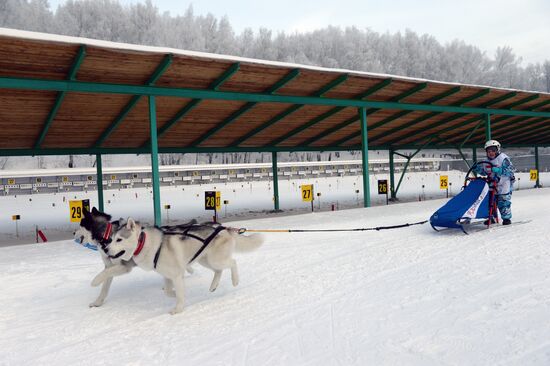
(167, 250)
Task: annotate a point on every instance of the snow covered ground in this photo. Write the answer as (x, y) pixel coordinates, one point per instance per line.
(409, 296)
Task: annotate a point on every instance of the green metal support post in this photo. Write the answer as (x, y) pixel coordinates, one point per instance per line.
(99, 167)
(409, 157)
(275, 181)
(537, 184)
(365, 155)
(154, 160)
(392, 176)
(487, 127)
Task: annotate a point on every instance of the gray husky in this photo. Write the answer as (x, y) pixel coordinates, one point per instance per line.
(96, 227)
(169, 253)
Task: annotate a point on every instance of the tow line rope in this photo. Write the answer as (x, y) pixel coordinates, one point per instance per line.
(377, 228)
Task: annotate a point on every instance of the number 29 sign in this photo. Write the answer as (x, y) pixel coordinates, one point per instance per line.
(76, 209)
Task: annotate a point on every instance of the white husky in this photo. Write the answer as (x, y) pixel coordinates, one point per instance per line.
(170, 253)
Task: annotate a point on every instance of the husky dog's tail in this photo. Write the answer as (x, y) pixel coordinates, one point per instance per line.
(248, 243)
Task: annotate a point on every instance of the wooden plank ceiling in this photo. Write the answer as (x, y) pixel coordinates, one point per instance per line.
(84, 120)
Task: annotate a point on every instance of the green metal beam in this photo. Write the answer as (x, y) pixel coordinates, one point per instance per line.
(460, 115)
(517, 125)
(399, 98)
(522, 101)
(328, 114)
(305, 126)
(275, 181)
(537, 167)
(396, 99)
(425, 117)
(331, 130)
(161, 68)
(461, 124)
(154, 160)
(105, 88)
(469, 135)
(195, 102)
(365, 156)
(487, 119)
(537, 140)
(460, 134)
(497, 124)
(528, 127)
(248, 106)
(407, 164)
(79, 58)
(99, 181)
(351, 120)
(392, 175)
(339, 80)
(533, 133)
(479, 136)
(403, 113)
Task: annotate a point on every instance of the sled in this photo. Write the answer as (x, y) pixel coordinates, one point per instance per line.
(476, 201)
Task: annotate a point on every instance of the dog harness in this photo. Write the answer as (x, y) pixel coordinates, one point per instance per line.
(186, 232)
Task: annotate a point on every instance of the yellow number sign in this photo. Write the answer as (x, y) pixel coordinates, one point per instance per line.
(533, 174)
(11, 181)
(383, 186)
(307, 192)
(76, 209)
(212, 200)
(443, 181)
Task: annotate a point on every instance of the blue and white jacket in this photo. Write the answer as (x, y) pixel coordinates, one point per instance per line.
(505, 178)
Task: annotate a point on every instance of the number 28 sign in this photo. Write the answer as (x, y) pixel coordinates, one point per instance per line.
(212, 200)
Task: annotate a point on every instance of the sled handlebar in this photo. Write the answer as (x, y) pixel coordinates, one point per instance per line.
(474, 165)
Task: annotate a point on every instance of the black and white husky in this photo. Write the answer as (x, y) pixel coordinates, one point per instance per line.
(97, 228)
(169, 253)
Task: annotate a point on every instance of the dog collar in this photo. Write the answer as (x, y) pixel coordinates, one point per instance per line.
(141, 243)
(108, 231)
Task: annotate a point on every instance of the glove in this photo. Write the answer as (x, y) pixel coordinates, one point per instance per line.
(497, 170)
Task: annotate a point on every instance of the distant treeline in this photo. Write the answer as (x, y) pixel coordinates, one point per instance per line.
(355, 48)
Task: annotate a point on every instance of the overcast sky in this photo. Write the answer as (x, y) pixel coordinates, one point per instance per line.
(523, 25)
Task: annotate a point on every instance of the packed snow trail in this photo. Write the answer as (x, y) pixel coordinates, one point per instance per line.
(406, 296)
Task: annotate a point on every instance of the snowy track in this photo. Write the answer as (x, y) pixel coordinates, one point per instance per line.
(406, 296)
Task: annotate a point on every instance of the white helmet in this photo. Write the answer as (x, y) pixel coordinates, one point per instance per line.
(493, 143)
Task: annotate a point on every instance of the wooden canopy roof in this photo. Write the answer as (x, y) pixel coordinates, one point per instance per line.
(72, 95)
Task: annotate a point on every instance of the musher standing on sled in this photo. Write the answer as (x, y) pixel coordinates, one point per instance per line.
(502, 172)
